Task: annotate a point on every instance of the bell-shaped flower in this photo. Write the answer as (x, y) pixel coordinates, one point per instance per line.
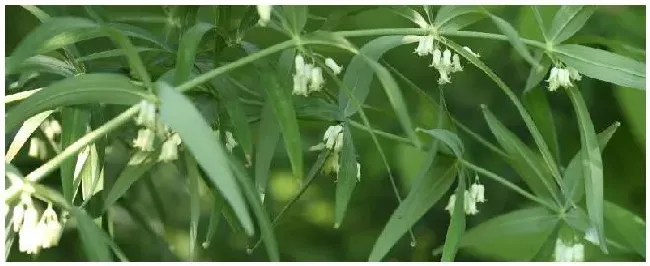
(145, 140)
(564, 78)
(50, 228)
(29, 236)
(444, 77)
(553, 79)
(329, 62)
(147, 114)
(470, 51)
(331, 136)
(456, 64)
(437, 58)
(51, 128)
(451, 204)
(470, 204)
(316, 79)
(169, 150)
(477, 191)
(264, 11)
(425, 46)
(446, 60)
(592, 236)
(574, 74)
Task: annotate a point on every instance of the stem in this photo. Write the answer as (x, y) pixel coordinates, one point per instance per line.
(508, 184)
(205, 77)
(73, 149)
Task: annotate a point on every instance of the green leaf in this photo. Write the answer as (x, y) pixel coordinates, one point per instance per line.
(140, 33)
(603, 65)
(248, 21)
(41, 63)
(514, 236)
(524, 161)
(427, 190)
(346, 180)
(537, 75)
(268, 135)
(237, 116)
(540, 22)
(285, 114)
(296, 17)
(629, 226)
(573, 176)
(266, 227)
(410, 14)
(215, 219)
(448, 138)
(428, 10)
(358, 74)
(82, 89)
(567, 21)
(453, 18)
(23, 134)
(514, 39)
(117, 53)
(395, 98)
(195, 200)
(547, 250)
(592, 165)
(74, 122)
(132, 56)
(53, 34)
(180, 115)
(532, 128)
(187, 51)
(138, 165)
(456, 224)
(540, 110)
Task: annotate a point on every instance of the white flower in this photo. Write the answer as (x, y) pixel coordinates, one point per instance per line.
(470, 51)
(437, 58)
(332, 164)
(446, 60)
(444, 77)
(470, 204)
(332, 65)
(456, 64)
(145, 140)
(264, 11)
(451, 204)
(300, 64)
(477, 191)
(592, 236)
(425, 46)
(339, 142)
(37, 148)
(331, 136)
(51, 128)
(358, 172)
(169, 149)
(565, 252)
(578, 252)
(29, 236)
(318, 147)
(574, 74)
(230, 141)
(299, 85)
(564, 78)
(51, 229)
(553, 82)
(18, 215)
(147, 115)
(316, 79)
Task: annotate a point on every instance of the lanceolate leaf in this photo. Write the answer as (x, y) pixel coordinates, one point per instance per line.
(82, 89)
(515, 236)
(629, 226)
(117, 53)
(24, 133)
(523, 160)
(296, 17)
(573, 175)
(457, 222)
(187, 51)
(193, 177)
(569, 20)
(181, 116)
(237, 115)
(603, 65)
(42, 63)
(410, 14)
(137, 166)
(132, 56)
(347, 176)
(427, 190)
(536, 102)
(447, 137)
(514, 39)
(74, 122)
(592, 164)
(268, 135)
(452, 18)
(358, 75)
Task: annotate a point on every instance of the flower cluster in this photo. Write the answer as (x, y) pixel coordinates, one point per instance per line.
(35, 233)
(475, 194)
(309, 78)
(443, 61)
(145, 140)
(264, 11)
(333, 141)
(568, 252)
(170, 148)
(561, 77)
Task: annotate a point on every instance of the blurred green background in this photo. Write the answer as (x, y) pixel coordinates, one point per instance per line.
(306, 232)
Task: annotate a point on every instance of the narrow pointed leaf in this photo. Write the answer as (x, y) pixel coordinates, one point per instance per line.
(82, 89)
(24, 133)
(347, 177)
(603, 65)
(567, 21)
(237, 116)
(268, 136)
(42, 63)
(628, 225)
(453, 18)
(117, 53)
(515, 39)
(195, 202)
(410, 14)
(456, 223)
(592, 165)
(137, 166)
(182, 116)
(187, 51)
(215, 220)
(74, 122)
(447, 137)
(131, 53)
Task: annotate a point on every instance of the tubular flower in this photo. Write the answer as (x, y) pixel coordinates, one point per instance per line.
(451, 204)
(51, 229)
(145, 140)
(566, 252)
(264, 11)
(445, 63)
(147, 115)
(478, 192)
(316, 79)
(470, 204)
(170, 149)
(29, 235)
(332, 65)
(562, 77)
(425, 46)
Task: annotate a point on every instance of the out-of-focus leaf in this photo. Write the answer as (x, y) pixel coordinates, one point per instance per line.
(137, 166)
(180, 115)
(592, 165)
(131, 53)
(296, 17)
(456, 224)
(603, 65)
(195, 200)
(573, 176)
(515, 39)
(187, 51)
(425, 193)
(82, 89)
(347, 176)
(268, 135)
(42, 63)
(410, 14)
(117, 53)
(514, 236)
(452, 18)
(23, 134)
(75, 122)
(447, 137)
(215, 219)
(567, 21)
(629, 226)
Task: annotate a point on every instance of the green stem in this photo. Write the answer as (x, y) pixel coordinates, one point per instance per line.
(73, 149)
(508, 184)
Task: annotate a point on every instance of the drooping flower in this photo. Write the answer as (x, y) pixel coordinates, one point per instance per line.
(470, 204)
(316, 79)
(50, 228)
(567, 252)
(29, 236)
(332, 65)
(145, 140)
(264, 11)
(562, 77)
(444, 77)
(592, 236)
(170, 149)
(470, 51)
(332, 164)
(456, 64)
(451, 204)
(437, 58)
(478, 192)
(574, 74)
(446, 60)
(51, 128)
(553, 82)
(425, 46)
(231, 143)
(147, 114)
